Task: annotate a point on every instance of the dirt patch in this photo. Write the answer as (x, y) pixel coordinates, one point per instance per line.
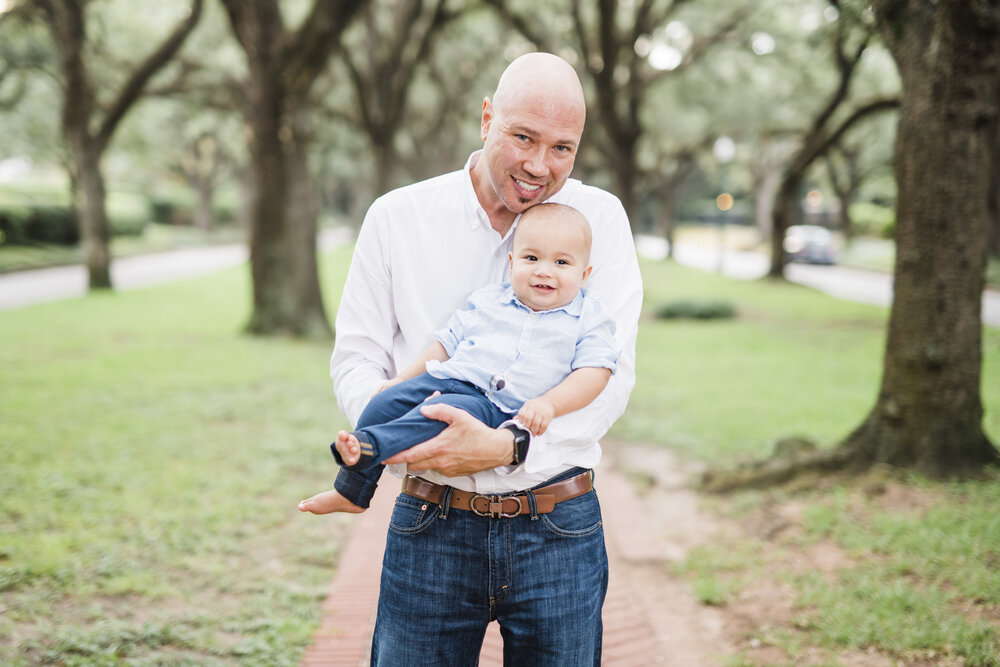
(659, 488)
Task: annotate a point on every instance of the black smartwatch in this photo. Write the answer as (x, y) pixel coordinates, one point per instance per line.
(522, 439)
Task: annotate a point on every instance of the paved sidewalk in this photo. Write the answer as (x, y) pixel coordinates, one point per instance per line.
(634, 629)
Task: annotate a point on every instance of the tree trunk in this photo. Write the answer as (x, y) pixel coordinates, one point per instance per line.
(283, 66)
(203, 217)
(286, 291)
(95, 232)
(786, 214)
(765, 185)
(928, 415)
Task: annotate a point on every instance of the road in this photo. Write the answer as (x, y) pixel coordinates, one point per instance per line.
(24, 288)
(838, 281)
(28, 287)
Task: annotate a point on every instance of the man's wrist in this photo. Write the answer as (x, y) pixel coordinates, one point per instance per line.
(520, 443)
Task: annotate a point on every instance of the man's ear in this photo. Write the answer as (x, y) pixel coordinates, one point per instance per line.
(484, 125)
(586, 273)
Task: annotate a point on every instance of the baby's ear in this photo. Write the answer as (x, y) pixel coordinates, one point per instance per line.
(586, 273)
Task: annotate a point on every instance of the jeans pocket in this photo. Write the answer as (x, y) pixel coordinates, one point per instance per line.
(412, 515)
(575, 518)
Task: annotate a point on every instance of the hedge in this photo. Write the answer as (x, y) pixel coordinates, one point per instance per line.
(42, 214)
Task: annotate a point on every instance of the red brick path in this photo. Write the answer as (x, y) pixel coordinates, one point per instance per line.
(344, 635)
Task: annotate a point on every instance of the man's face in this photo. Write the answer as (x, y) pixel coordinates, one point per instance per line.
(529, 148)
(549, 262)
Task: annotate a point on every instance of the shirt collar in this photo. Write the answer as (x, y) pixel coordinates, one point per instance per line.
(574, 307)
(476, 213)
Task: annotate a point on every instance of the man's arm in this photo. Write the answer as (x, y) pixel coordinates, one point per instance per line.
(366, 322)
(575, 392)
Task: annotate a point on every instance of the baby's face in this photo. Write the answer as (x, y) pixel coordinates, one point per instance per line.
(549, 263)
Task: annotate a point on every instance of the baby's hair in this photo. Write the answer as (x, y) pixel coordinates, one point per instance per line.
(564, 212)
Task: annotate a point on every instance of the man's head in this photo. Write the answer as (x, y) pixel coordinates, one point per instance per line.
(531, 130)
(550, 260)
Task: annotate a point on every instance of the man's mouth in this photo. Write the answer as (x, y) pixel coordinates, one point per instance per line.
(527, 187)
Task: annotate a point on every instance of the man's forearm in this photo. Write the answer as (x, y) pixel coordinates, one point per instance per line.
(465, 447)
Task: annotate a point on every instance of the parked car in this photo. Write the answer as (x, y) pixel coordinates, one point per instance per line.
(811, 243)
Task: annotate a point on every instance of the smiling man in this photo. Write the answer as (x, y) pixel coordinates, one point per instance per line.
(492, 524)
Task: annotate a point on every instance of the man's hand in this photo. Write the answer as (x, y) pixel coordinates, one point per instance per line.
(536, 414)
(465, 446)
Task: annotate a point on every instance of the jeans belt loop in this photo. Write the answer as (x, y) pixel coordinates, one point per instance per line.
(445, 503)
(532, 504)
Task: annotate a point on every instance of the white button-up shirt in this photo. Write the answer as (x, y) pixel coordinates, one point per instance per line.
(421, 251)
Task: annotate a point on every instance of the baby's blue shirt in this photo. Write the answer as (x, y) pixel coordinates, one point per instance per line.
(513, 353)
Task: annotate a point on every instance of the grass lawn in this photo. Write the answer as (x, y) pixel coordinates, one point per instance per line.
(152, 459)
(916, 564)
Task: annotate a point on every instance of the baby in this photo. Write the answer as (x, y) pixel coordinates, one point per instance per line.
(538, 348)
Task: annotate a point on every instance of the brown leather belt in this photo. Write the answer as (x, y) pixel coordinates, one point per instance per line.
(496, 506)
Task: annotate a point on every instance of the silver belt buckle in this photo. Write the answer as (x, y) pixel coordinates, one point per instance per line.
(495, 504)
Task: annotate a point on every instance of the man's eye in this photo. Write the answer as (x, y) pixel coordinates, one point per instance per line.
(521, 137)
(562, 149)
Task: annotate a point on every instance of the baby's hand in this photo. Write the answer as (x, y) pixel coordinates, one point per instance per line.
(387, 384)
(536, 415)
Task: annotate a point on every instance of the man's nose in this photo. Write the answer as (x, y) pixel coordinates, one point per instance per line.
(534, 161)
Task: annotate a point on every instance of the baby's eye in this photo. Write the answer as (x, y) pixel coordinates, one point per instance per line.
(531, 258)
(562, 261)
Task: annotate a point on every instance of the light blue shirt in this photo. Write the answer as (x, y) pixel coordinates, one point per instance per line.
(513, 353)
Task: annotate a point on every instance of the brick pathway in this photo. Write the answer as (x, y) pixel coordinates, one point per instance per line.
(630, 629)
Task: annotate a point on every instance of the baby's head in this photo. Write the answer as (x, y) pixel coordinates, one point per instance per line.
(551, 256)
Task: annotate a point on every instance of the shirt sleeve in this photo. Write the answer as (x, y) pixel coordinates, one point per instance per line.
(596, 347)
(617, 281)
(457, 328)
(365, 323)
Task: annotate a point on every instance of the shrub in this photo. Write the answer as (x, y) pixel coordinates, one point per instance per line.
(873, 219)
(696, 310)
(43, 214)
(173, 206)
(37, 214)
(128, 213)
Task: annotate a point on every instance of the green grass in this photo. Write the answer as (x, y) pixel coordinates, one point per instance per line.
(922, 581)
(793, 362)
(152, 460)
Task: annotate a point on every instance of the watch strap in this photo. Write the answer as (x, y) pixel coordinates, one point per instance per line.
(522, 439)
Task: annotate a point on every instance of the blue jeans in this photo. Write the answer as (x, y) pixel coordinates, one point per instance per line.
(447, 573)
(392, 423)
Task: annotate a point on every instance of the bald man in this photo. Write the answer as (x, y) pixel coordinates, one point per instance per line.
(492, 523)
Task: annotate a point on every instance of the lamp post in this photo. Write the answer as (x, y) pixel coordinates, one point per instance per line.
(724, 150)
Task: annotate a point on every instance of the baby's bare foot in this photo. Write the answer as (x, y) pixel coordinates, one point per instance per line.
(327, 502)
(348, 447)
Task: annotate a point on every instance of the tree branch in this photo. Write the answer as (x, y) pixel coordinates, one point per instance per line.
(519, 24)
(132, 89)
(305, 53)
